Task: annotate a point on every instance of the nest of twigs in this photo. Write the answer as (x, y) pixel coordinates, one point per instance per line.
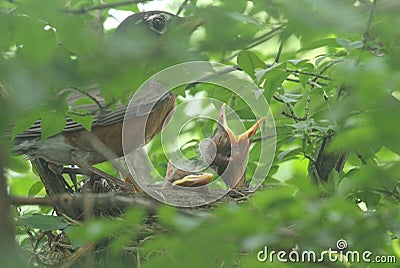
(53, 248)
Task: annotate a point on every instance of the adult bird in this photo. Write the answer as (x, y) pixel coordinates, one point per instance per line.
(144, 37)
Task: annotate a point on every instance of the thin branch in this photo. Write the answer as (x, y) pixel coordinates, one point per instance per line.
(306, 109)
(94, 112)
(211, 76)
(257, 41)
(99, 201)
(361, 157)
(312, 160)
(262, 37)
(327, 67)
(366, 35)
(278, 55)
(370, 20)
(309, 82)
(89, 96)
(313, 82)
(291, 109)
(323, 77)
(182, 6)
(262, 138)
(103, 6)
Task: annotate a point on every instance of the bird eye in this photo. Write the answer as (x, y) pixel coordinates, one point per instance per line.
(159, 24)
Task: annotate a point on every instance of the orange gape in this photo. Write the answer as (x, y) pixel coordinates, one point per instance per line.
(178, 177)
(232, 151)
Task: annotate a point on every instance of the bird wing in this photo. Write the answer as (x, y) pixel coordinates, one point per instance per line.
(143, 104)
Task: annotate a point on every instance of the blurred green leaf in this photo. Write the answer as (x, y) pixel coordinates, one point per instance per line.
(249, 61)
(327, 42)
(18, 164)
(52, 122)
(94, 230)
(24, 123)
(43, 222)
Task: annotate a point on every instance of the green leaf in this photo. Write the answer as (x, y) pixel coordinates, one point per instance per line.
(275, 77)
(370, 198)
(18, 164)
(85, 121)
(249, 61)
(42, 222)
(52, 123)
(92, 231)
(24, 123)
(343, 42)
(289, 154)
(243, 18)
(35, 188)
(131, 7)
(298, 63)
(302, 125)
(37, 43)
(238, 5)
(20, 185)
(74, 35)
(356, 45)
(289, 98)
(327, 42)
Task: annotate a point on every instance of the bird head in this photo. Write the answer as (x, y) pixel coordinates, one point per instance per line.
(152, 36)
(183, 178)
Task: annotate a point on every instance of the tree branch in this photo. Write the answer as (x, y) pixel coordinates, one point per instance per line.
(257, 41)
(103, 6)
(101, 201)
(182, 6)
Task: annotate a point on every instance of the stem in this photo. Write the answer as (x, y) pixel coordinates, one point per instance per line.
(103, 6)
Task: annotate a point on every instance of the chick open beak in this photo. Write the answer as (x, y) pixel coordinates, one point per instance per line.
(232, 155)
(178, 177)
(194, 180)
(245, 136)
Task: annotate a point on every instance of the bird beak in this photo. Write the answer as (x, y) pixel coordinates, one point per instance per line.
(194, 180)
(245, 136)
(178, 177)
(232, 158)
(189, 24)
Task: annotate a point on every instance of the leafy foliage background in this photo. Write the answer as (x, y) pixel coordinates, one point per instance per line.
(330, 70)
